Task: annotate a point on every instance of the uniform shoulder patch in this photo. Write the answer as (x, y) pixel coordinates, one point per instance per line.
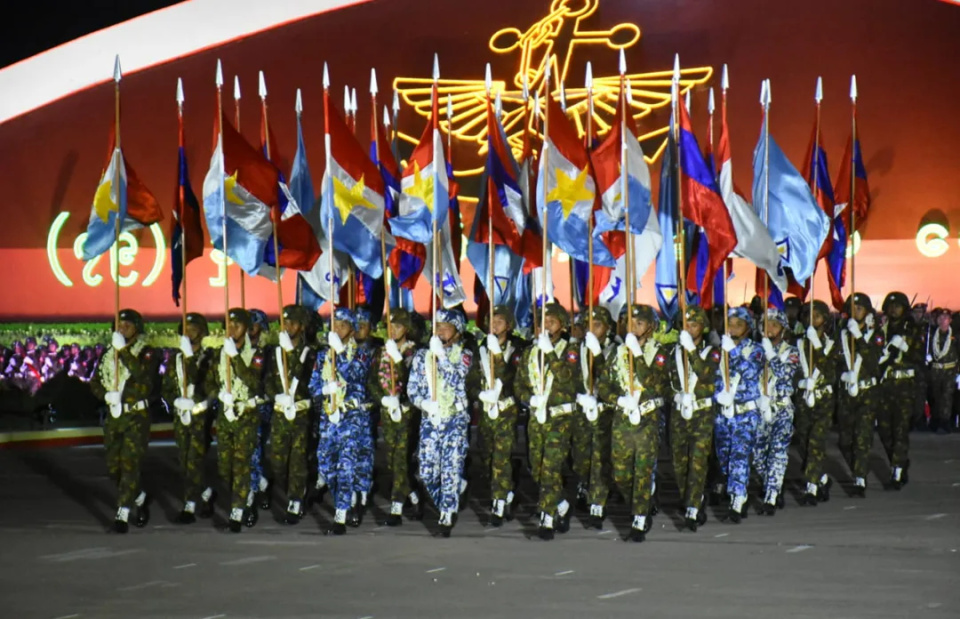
(257, 361)
(362, 355)
(715, 356)
(148, 353)
(573, 356)
(660, 360)
(466, 358)
(878, 339)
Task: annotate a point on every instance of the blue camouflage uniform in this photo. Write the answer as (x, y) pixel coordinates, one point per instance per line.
(368, 348)
(735, 437)
(345, 444)
(773, 437)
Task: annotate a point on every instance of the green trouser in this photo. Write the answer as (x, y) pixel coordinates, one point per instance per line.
(691, 443)
(633, 454)
(810, 432)
(894, 414)
(236, 441)
(856, 430)
(580, 447)
(399, 441)
(601, 473)
(192, 443)
(125, 442)
(497, 440)
(549, 447)
(288, 453)
(942, 387)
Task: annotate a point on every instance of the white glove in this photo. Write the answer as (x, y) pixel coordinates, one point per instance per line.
(393, 351)
(431, 408)
(869, 321)
(230, 347)
(544, 343)
(768, 350)
(853, 389)
(897, 341)
(436, 347)
(390, 402)
(334, 418)
(227, 398)
(686, 340)
(493, 412)
(633, 344)
(185, 417)
(593, 344)
(634, 417)
(628, 403)
(283, 400)
(814, 337)
(589, 405)
(767, 416)
(541, 416)
(112, 397)
(537, 401)
(335, 342)
(492, 396)
(285, 342)
(686, 400)
(186, 347)
(764, 405)
(493, 344)
(727, 343)
(330, 388)
(119, 342)
(809, 399)
(727, 411)
(184, 404)
(725, 398)
(805, 383)
(854, 328)
(847, 377)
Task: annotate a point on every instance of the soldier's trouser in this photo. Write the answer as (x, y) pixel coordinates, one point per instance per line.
(192, 444)
(288, 453)
(396, 439)
(260, 451)
(770, 452)
(497, 439)
(549, 445)
(443, 449)
(601, 469)
(856, 430)
(942, 387)
(366, 448)
(897, 400)
(812, 425)
(339, 454)
(580, 446)
(125, 442)
(236, 441)
(691, 443)
(633, 453)
(735, 439)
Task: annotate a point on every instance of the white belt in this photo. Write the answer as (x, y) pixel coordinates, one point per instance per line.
(506, 403)
(300, 405)
(136, 406)
(746, 408)
(705, 403)
(562, 409)
(899, 374)
(822, 391)
(866, 384)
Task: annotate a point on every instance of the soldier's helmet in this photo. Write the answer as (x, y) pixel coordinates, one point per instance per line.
(345, 314)
(199, 320)
(778, 316)
(791, 303)
(402, 317)
(697, 314)
(603, 315)
(259, 317)
(297, 313)
(506, 313)
(364, 316)
(133, 317)
(645, 313)
(559, 312)
(857, 299)
(452, 317)
(819, 307)
(742, 313)
(895, 298)
(240, 315)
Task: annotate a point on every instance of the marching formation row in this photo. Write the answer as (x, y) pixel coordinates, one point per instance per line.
(731, 402)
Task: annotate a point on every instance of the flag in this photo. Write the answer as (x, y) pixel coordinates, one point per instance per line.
(702, 203)
(321, 281)
(301, 184)
(796, 223)
(185, 221)
(119, 194)
(566, 190)
(506, 264)
(842, 224)
(425, 196)
(666, 277)
(453, 221)
(352, 198)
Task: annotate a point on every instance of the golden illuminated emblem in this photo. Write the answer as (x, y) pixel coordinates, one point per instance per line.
(556, 38)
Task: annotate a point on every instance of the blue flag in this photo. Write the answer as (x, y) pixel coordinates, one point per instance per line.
(666, 278)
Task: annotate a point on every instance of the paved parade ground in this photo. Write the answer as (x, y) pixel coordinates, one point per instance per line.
(894, 554)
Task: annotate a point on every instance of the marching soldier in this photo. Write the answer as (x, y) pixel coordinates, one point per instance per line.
(340, 380)
(776, 409)
(600, 342)
(736, 429)
(125, 380)
(944, 356)
(900, 363)
(635, 386)
(862, 345)
(388, 384)
(692, 421)
(259, 325)
(184, 388)
(551, 390)
(439, 379)
(369, 345)
(498, 423)
(237, 377)
(816, 403)
(287, 385)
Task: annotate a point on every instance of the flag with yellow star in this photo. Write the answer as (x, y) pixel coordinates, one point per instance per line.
(352, 200)
(567, 191)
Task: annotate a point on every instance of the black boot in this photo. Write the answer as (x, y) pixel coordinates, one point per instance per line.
(263, 499)
(563, 522)
(808, 499)
(545, 533)
(823, 491)
(733, 515)
(355, 516)
(250, 516)
(780, 502)
(337, 528)
(294, 513)
(120, 524)
(235, 526)
(206, 507)
(186, 517)
(143, 514)
(691, 524)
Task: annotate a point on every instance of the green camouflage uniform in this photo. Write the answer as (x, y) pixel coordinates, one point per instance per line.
(944, 353)
(600, 472)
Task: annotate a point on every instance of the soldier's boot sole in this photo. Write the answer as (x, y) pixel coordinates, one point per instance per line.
(496, 521)
(392, 520)
(235, 526)
(250, 517)
(143, 516)
(186, 518)
(691, 524)
(637, 535)
(545, 534)
(338, 528)
(119, 526)
(445, 530)
(823, 492)
(206, 507)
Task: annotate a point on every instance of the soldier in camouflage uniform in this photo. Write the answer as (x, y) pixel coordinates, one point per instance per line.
(944, 351)
(635, 386)
(443, 427)
(736, 426)
(862, 344)
(339, 380)
(291, 396)
(551, 391)
(125, 379)
(259, 326)
(388, 385)
(498, 422)
(816, 402)
(184, 389)
(902, 359)
(776, 409)
(692, 421)
(370, 346)
(600, 345)
(237, 377)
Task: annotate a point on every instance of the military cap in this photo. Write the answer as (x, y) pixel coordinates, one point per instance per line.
(742, 313)
(452, 317)
(697, 314)
(402, 317)
(506, 313)
(859, 299)
(791, 302)
(364, 315)
(819, 307)
(194, 318)
(345, 314)
(603, 315)
(645, 313)
(778, 316)
(297, 313)
(131, 316)
(559, 312)
(895, 298)
(238, 314)
(259, 317)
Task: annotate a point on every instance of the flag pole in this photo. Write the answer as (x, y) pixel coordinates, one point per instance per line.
(546, 214)
(570, 259)
(682, 263)
(117, 76)
(298, 107)
(765, 102)
(236, 121)
(818, 97)
(183, 235)
(852, 202)
(223, 222)
(433, 239)
(275, 219)
(533, 127)
(491, 283)
(724, 87)
(589, 85)
(326, 178)
(625, 196)
(351, 121)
